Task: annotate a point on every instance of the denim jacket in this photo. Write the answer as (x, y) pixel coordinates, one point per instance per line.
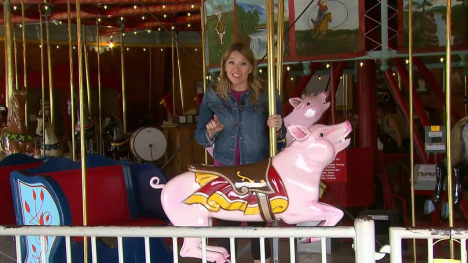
(246, 121)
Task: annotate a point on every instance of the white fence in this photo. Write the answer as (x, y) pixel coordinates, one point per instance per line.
(363, 234)
(433, 236)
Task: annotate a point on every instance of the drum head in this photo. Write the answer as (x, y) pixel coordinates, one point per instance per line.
(148, 144)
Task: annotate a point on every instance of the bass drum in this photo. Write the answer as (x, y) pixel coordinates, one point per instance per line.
(148, 144)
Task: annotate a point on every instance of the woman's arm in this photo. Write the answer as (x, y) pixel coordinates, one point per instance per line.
(396, 126)
(205, 116)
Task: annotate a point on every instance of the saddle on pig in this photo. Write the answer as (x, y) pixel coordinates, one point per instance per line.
(307, 111)
(285, 187)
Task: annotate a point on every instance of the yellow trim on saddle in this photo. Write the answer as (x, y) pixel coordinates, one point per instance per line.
(217, 200)
(243, 178)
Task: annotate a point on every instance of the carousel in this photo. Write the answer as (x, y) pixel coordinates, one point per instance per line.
(106, 96)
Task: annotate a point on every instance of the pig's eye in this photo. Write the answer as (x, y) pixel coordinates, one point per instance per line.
(322, 134)
(308, 103)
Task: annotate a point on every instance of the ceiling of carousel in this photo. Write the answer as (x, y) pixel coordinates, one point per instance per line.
(144, 21)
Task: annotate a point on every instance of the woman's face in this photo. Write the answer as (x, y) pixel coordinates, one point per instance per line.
(238, 68)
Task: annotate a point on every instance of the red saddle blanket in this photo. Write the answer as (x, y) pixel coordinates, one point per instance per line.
(217, 193)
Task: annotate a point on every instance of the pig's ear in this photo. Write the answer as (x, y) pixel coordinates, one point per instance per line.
(295, 101)
(299, 132)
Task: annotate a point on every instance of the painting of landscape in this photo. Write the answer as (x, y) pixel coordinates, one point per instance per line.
(327, 27)
(251, 25)
(430, 23)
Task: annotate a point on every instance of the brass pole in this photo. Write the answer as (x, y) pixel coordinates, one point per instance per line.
(82, 135)
(203, 29)
(173, 76)
(25, 80)
(41, 29)
(279, 45)
(49, 66)
(448, 92)
(411, 120)
(271, 73)
(23, 32)
(180, 78)
(88, 86)
(8, 50)
(72, 89)
(99, 86)
(15, 53)
(124, 98)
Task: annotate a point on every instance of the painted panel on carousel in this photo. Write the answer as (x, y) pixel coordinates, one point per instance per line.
(285, 187)
(327, 29)
(38, 209)
(430, 23)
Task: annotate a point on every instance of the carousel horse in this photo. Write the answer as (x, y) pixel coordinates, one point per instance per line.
(459, 156)
(113, 128)
(284, 187)
(307, 111)
(14, 138)
(52, 146)
(90, 125)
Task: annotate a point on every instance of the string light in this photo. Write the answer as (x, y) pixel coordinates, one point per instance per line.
(292, 78)
(260, 71)
(407, 61)
(121, 18)
(196, 49)
(58, 47)
(15, 7)
(128, 49)
(143, 18)
(46, 7)
(149, 31)
(341, 77)
(394, 74)
(159, 29)
(189, 14)
(361, 64)
(189, 25)
(99, 20)
(74, 47)
(165, 15)
(21, 25)
(105, 6)
(123, 34)
(192, 6)
(134, 6)
(60, 22)
(144, 49)
(40, 46)
(164, 6)
(162, 50)
(288, 68)
(111, 44)
(328, 65)
(441, 60)
(135, 32)
(320, 77)
(172, 28)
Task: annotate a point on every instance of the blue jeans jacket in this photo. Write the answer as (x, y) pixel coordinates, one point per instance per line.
(248, 122)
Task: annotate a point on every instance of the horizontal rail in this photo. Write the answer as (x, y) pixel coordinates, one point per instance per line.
(171, 231)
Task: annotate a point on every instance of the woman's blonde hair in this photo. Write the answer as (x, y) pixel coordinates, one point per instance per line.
(222, 87)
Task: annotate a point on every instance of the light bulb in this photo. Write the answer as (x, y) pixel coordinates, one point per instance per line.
(288, 68)
(134, 6)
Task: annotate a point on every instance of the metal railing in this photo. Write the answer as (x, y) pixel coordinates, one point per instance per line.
(363, 234)
(433, 236)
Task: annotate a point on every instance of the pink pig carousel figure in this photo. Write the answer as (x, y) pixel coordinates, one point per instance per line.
(284, 187)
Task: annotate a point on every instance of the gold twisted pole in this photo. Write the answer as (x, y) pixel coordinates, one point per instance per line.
(49, 66)
(180, 77)
(42, 77)
(271, 73)
(279, 45)
(15, 52)
(99, 86)
(448, 92)
(25, 80)
(88, 85)
(203, 29)
(72, 89)
(8, 51)
(411, 120)
(82, 132)
(124, 97)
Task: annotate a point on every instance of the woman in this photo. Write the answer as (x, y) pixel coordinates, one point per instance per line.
(392, 125)
(234, 115)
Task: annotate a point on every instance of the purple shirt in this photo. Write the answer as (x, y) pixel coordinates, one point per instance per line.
(237, 95)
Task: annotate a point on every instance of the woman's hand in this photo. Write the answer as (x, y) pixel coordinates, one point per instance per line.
(213, 127)
(275, 121)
